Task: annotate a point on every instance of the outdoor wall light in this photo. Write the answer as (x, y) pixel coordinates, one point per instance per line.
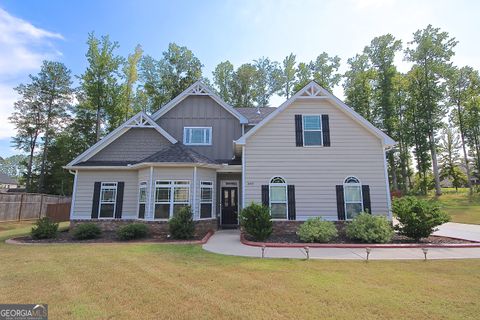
(425, 251)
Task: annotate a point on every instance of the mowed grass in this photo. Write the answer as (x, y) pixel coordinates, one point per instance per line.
(154, 281)
(462, 207)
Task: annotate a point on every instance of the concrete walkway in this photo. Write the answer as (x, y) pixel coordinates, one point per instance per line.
(459, 230)
(227, 242)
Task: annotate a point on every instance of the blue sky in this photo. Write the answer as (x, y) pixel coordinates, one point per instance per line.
(240, 31)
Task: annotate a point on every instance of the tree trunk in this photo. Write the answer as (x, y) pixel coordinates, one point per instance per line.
(41, 181)
(433, 152)
(393, 172)
(97, 124)
(29, 167)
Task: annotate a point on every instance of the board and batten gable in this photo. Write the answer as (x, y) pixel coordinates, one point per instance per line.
(85, 185)
(203, 111)
(134, 145)
(315, 171)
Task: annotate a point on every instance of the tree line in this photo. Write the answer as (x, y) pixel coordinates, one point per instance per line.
(433, 110)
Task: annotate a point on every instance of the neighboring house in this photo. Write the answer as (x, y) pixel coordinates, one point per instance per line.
(7, 182)
(311, 156)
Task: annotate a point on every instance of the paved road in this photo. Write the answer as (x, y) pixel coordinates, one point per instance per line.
(459, 230)
(228, 242)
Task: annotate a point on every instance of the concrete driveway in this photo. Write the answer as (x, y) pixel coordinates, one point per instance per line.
(459, 230)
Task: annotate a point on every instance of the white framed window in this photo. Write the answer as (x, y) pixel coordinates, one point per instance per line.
(197, 136)
(206, 199)
(170, 196)
(278, 198)
(142, 199)
(108, 200)
(352, 194)
(312, 130)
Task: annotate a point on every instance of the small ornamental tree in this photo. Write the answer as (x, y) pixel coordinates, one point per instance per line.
(181, 225)
(418, 218)
(256, 221)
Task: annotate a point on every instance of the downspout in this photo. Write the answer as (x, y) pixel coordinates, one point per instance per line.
(243, 176)
(74, 191)
(387, 183)
(194, 200)
(150, 196)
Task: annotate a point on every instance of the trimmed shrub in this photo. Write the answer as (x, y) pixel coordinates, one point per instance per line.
(87, 231)
(256, 221)
(317, 230)
(44, 229)
(181, 225)
(418, 218)
(370, 229)
(132, 231)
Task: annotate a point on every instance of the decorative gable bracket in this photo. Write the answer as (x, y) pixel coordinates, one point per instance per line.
(312, 91)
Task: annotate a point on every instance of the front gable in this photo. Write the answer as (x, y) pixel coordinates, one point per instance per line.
(126, 136)
(314, 95)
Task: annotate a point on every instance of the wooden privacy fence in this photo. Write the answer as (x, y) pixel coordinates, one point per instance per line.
(58, 212)
(27, 206)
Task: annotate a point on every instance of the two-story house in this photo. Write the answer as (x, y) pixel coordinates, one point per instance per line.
(311, 156)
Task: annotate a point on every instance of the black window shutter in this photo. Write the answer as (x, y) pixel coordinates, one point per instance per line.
(292, 215)
(96, 199)
(298, 130)
(367, 206)
(326, 130)
(265, 196)
(119, 204)
(340, 203)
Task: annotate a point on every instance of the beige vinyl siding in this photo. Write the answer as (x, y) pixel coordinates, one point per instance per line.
(134, 145)
(84, 194)
(315, 171)
(204, 174)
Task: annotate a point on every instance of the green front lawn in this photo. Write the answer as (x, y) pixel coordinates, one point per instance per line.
(461, 207)
(152, 281)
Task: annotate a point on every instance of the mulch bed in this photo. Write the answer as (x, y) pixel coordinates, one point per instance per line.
(342, 239)
(106, 237)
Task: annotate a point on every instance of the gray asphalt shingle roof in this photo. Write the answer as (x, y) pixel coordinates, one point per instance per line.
(5, 179)
(178, 153)
(255, 115)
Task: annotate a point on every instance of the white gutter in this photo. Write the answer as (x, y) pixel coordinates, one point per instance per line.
(387, 183)
(243, 176)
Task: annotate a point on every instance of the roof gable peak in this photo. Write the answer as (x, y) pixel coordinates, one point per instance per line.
(198, 88)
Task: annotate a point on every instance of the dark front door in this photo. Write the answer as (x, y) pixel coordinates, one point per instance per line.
(229, 206)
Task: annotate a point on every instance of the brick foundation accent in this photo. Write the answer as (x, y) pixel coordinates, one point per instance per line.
(158, 229)
(291, 227)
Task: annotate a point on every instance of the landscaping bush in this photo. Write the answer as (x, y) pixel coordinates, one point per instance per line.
(369, 229)
(317, 230)
(418, 218)
(256, 221)
(181, 225)
(132, 231)
(44, 229)
(87, 231)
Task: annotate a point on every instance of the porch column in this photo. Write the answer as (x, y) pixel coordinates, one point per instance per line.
(194, 200)
(151, 197)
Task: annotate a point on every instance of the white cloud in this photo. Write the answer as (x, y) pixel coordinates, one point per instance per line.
(23, 47)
